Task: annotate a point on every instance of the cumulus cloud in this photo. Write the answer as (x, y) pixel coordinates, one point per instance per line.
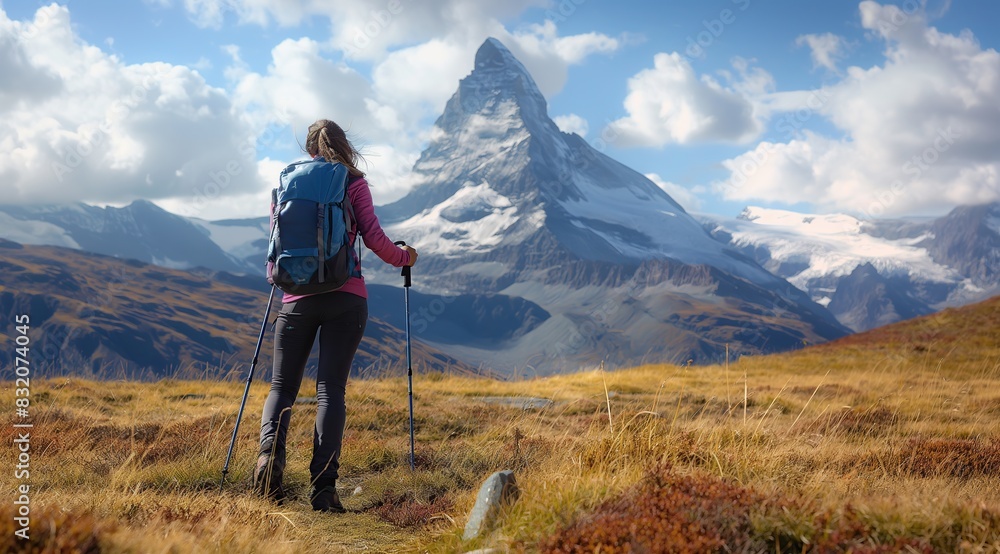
(687, 198)
(158, 131)
(547, 56)
(572, 123)
(78, 124)
(238, 205)
(363, 30)
(921, 132)
(826, 49)
(419, 79)
(300, 86)
(669, 103)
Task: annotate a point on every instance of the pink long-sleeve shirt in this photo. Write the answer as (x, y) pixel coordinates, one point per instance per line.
(371, 233)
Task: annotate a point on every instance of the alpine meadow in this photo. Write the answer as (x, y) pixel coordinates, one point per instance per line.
(540, 276)
(882, 442)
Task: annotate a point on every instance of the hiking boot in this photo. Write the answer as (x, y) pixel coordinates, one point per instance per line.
(325, 499)
(267, 480)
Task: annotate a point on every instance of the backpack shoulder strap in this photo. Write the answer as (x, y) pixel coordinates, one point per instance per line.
(348, 206)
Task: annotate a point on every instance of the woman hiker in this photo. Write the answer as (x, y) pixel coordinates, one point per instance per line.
(340, 317)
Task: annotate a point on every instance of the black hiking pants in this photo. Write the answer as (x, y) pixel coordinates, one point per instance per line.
(340, 318)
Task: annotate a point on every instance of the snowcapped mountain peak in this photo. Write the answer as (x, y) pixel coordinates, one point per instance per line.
(499, 88)
(557, 189)
(498, 70)
(499, 84)
(485, 134)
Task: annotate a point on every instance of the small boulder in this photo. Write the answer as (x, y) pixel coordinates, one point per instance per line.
(499, 490)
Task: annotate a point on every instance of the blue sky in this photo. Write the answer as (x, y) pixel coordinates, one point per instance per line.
(870, 108)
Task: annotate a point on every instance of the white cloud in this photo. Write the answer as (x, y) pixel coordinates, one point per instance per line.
(572, 123)
(301, 86)
(365, 30)
(239, 205)
(548, 56)
(687, 198)
(921, 132)
(158, 131)
(670, 104)
(418, 80)
(826, 49)
(78, 124)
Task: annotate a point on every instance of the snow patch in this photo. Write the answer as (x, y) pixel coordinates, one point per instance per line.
(474, 219)
(652, 222)
(171, 264)
(35, 232)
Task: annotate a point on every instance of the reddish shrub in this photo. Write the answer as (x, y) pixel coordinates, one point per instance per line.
(671, 513)
(53, 531)
(667, 512)
(402, 510)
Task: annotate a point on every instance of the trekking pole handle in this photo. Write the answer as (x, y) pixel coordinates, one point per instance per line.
(405, 272)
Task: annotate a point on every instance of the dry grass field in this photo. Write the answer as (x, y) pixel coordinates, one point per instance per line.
(887, 441)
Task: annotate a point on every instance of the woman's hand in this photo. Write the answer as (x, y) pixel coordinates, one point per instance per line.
(412, 253)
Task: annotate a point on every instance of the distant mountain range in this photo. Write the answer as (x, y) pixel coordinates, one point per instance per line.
(100, 316)
(140, 231)
(870, 273)
(540, 254)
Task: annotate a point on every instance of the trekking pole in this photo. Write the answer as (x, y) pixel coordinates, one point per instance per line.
(405, 273)
(246, 391)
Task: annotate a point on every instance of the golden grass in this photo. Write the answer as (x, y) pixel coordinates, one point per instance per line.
(839, 449)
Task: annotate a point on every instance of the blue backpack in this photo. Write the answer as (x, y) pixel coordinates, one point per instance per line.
(310, 250)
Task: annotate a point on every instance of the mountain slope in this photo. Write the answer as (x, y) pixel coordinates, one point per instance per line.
(953, 340)
(968, 240)
(92, 314)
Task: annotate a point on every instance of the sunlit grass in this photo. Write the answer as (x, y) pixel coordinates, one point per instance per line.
(850, 447)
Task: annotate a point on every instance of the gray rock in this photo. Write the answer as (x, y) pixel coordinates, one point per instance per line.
(523, 402)
(499, 490)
